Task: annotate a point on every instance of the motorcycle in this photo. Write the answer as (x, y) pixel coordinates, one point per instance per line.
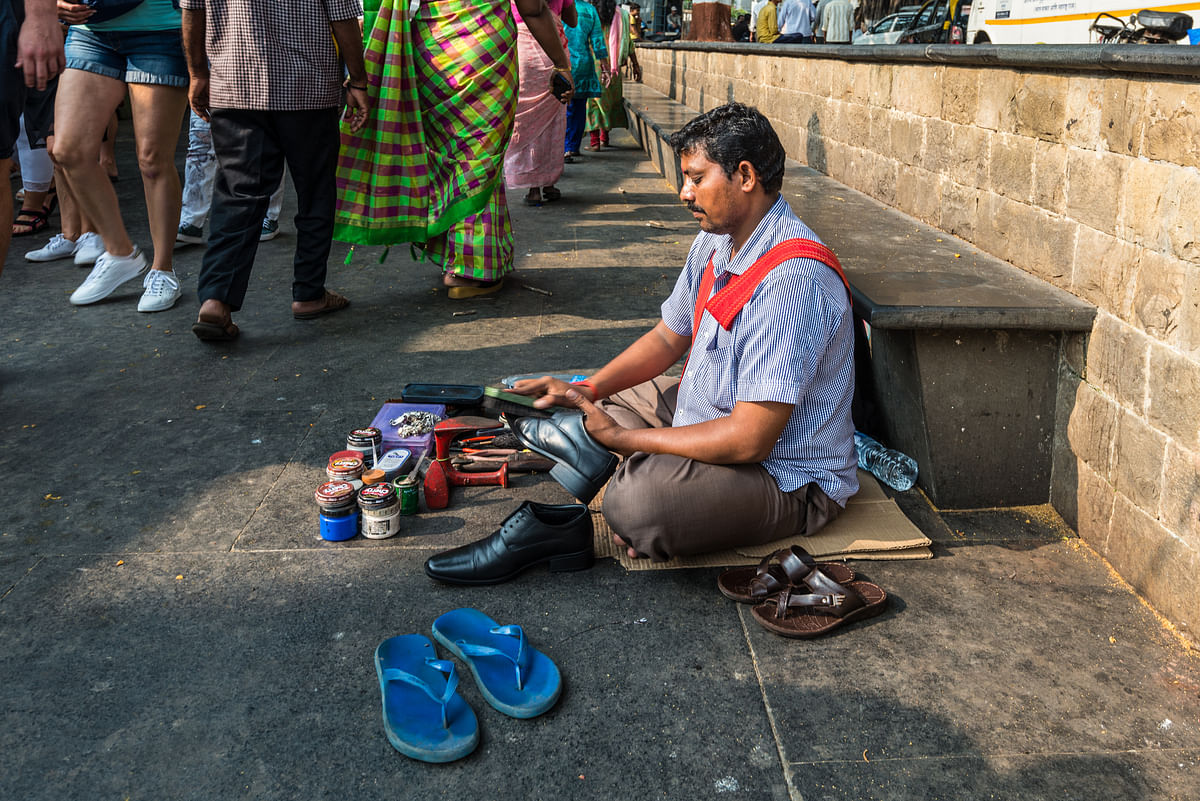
(1144, 27)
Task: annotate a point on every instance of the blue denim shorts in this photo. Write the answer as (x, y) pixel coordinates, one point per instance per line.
(152, 57)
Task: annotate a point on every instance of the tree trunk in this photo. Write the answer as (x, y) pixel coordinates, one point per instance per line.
(710, 21)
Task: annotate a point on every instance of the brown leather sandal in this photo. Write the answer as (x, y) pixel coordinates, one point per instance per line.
(752, 585)
(333, 302)
(819, 606)
(215, 329)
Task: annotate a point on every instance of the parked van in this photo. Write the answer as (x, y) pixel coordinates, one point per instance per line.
(1051, 21)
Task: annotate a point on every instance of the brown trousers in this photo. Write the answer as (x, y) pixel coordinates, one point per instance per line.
(666, 506)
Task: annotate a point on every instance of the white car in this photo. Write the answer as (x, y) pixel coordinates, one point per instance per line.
(886, 30)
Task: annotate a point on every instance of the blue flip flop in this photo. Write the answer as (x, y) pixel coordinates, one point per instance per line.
(513, 676)
(423, 716)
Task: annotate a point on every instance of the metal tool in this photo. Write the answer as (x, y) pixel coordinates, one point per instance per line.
(442, 473)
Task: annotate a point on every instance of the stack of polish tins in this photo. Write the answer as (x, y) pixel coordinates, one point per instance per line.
(367, 500)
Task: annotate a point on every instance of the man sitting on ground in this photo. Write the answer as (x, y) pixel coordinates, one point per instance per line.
(755, 442)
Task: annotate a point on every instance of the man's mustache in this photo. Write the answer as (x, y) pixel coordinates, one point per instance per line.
(692, 207)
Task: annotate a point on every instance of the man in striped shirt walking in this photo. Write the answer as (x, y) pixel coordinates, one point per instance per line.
(755, 441)
(267, 76)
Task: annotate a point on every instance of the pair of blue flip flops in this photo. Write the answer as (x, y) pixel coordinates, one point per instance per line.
(423, 714)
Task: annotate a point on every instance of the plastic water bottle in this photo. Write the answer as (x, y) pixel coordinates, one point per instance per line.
(889, 466)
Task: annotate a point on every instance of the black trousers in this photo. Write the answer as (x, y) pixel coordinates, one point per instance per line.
(252, 147)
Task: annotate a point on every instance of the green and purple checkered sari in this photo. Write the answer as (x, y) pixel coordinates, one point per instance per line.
(427, 168)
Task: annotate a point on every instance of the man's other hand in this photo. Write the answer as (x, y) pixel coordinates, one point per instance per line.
(358, 106)
(198, 96)
(605, 430)
(40, 47)
(548, 391)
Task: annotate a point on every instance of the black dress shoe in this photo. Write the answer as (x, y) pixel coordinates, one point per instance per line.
(583, 464)
(535, 533)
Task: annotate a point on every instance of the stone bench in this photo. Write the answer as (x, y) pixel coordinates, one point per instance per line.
(966, 350)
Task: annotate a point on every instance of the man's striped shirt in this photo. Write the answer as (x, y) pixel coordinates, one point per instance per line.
(792, 343)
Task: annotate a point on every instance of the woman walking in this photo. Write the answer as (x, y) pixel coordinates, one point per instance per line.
(588, 50)
(608, 111)
(533, 160)
(427, 166)
(140, 51)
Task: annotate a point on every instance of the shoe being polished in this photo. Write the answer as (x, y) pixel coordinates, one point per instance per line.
(534, 534)
(583, 464)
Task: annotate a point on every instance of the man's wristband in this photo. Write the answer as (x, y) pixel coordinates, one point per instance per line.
(349, 85)
(591, 388)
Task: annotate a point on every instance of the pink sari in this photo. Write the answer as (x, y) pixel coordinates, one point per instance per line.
(534, 156)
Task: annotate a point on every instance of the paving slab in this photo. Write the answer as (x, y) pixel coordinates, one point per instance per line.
(174, 483)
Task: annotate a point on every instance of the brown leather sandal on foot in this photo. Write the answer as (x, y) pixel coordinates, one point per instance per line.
(753, 585)
(819, 606)
(209, 330)
(332, 302)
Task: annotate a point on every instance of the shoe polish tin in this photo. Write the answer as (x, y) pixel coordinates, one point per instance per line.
(367, 441)
(339, 512)
(346, 468)
(408, 493)
(380, 511)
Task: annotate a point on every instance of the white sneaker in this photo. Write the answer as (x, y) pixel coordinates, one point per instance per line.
(88, 248)
(59, 247)
(108, 274)
(162, 290)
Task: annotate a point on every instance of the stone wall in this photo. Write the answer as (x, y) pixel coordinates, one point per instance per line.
(1086, 179)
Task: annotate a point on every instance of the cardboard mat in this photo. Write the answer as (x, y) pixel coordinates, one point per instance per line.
(871, 527)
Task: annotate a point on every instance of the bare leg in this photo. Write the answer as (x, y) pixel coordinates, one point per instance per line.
(73, 221)
(157, 117)
(69, 218)
(84, 103)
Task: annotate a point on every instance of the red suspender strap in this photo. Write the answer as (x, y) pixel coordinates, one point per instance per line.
(706, 284)
(727, 304)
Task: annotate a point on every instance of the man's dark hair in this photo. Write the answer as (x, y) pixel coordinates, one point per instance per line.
(731, 134)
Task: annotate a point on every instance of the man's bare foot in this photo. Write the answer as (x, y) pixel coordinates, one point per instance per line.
(213, 309)
(632, 553)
